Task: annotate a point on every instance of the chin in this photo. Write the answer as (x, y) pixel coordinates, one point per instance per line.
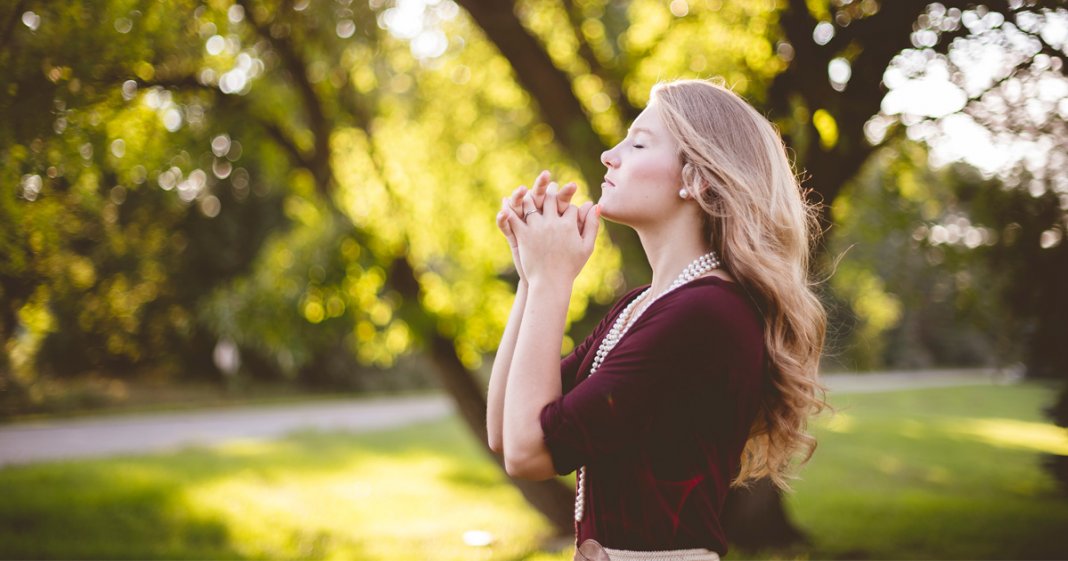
(616, 210)
(610, 214)
(606, 208)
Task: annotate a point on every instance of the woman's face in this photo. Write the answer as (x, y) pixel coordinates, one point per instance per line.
(644, 173)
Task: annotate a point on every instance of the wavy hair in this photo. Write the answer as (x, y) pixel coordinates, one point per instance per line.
(760, 223)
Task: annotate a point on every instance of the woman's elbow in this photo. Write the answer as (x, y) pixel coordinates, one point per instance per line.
(530, 469)
(495, 445)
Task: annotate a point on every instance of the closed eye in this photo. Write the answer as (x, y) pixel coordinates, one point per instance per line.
(638, 146)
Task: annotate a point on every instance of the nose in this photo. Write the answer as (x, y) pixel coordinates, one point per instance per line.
(609, 158)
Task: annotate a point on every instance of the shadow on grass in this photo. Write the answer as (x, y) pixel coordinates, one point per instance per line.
(55, 512)
(407, 493)
(931, 474)
(928, 474)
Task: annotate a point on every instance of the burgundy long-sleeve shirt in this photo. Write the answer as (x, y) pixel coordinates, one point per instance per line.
(661, 425)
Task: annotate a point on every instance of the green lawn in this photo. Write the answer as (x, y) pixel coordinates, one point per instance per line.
(939, 473)
(951, 473)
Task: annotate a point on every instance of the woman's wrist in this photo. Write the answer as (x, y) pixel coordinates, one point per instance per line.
(547, 290)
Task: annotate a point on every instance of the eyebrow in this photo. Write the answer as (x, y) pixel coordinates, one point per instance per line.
(636, 130)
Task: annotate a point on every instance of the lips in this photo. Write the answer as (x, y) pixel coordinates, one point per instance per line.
(608, 183)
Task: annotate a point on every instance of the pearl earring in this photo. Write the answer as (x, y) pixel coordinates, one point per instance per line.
(684, 194)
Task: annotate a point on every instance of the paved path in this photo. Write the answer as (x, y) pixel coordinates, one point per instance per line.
(914, 379)
(59, 439)
(149, 432)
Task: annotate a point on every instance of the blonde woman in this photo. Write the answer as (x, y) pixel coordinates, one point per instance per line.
(698, 382)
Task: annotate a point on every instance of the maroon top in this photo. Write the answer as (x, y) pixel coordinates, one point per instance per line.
(661, 425)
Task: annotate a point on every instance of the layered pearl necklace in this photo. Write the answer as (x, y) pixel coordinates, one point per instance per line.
(623, 323)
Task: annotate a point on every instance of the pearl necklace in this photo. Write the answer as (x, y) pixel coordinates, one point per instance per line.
(623, 323)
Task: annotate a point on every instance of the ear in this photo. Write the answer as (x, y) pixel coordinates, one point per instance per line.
(689, 173)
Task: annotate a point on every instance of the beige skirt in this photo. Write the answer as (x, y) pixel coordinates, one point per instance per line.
(590, 550)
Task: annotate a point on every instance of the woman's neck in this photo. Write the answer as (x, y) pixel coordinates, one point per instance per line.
(670, 249)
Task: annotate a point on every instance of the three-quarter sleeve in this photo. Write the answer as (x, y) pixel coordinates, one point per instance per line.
(570, 364)
(676, 339)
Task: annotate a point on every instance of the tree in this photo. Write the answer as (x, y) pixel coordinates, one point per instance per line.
(834, 55)
(378, 138)
(98, 268)
(414, 275)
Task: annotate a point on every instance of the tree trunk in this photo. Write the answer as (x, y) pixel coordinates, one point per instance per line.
(1057, 464)
(754, 518)
(551, 89)
(551, 498)
(548, 85)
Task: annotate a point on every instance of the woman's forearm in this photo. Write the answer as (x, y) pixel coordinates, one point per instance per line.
(502, 362)
(534, 381)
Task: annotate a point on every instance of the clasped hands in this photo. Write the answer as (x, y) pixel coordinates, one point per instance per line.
(550, 238)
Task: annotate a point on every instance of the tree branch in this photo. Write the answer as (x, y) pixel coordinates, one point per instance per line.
(611, 79)
(879, 38)
(273, 129)
(9, 27)
(548, 85)
(319, 160)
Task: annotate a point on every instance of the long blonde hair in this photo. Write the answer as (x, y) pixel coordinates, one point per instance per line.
(758, 221)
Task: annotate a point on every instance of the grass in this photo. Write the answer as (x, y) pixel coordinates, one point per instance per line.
(951, 473)
(399, 494)
(937, 474)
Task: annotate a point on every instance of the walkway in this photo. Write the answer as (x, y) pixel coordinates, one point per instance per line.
(140, 433)
(150, 432)
(888, 381)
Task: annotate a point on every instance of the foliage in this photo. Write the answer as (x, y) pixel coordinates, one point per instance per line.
(1028, 226)
(316, 179)
(916, 265)
(226, 114)
(108, 234)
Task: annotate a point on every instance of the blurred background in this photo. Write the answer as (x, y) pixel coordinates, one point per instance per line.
(220, 207)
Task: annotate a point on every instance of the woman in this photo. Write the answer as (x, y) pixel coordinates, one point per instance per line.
(699, 382)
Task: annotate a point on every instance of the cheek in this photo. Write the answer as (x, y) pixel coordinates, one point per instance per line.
(659, 171)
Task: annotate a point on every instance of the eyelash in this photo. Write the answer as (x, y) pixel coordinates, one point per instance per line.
(638, 146)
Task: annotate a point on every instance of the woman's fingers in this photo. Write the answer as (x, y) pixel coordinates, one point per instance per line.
(542, 182)
(550, 205)
(515, 202)
(502, 223)
(563, 198)
(523, 200)
(529, 209)
(541, 185)
(589, 229)
(516, 225)
(501, 213)
(583, 212)
(541, 193)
